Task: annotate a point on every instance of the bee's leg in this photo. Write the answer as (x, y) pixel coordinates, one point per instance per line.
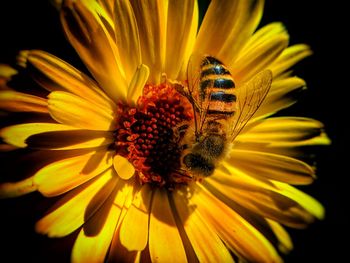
(183, 90)
(183, 147)
(181, 176)
(184, 173)
(179, 131)
(182, 128)
(195, 105)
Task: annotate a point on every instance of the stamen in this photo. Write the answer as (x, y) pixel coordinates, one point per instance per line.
(145, 134)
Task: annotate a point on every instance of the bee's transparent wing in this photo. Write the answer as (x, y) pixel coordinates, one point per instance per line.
(193, 73)
(250, 96)
(193, 77)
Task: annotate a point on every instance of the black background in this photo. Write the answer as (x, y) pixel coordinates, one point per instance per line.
(321, 24)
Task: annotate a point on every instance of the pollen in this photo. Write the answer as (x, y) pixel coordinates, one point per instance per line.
(146, 134)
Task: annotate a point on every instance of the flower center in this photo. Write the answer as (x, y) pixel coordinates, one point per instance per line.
(146, 134)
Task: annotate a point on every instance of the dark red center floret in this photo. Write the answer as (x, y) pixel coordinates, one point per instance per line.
(145, 133)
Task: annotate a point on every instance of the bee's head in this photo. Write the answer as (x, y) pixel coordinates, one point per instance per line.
(198, 164)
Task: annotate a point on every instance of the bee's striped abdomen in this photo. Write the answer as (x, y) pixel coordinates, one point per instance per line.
(217, 86)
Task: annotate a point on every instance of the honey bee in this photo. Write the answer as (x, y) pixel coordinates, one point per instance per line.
(221, 111)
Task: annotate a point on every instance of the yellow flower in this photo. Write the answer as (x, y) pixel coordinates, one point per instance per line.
(110, 143)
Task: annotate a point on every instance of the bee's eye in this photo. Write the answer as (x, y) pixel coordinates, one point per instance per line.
(189, 160)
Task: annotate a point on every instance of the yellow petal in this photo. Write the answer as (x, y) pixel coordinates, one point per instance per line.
(285, 242)
(165, 244)
(126, 194)
(127, 36)
(70, 109)
(77, 206)
(83, 22)
(258, 59)
(261, 36)
(272, 166)
(66, 174)
(118, 252)
(271, 38)
(18, 101)
(6, 71)
(307, 202)
(137, 84)
(180, 36)
(280, 96)
(109, 6)
(291, 150)
(301, 206)
(93, 247)
(96, 236)
(57, 4)
(284, 132)
(234, 230)
(6, 147)
(151, 17)
(226, 27)
(124, 168)
(15, 189)
(55, 74)
(70, 140)
(134, 229)
(198, 230)
(18, 134)
(265, 203)
(183, 74)
(289, 58)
